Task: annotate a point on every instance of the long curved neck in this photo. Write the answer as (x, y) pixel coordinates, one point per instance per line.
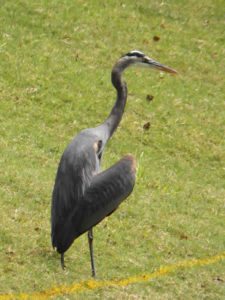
(117, 111)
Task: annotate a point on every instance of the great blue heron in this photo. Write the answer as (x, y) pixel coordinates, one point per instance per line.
(82, 194)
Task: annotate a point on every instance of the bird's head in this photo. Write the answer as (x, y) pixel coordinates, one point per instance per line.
(138, 58)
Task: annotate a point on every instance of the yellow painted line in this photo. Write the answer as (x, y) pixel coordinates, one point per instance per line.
(96, 284)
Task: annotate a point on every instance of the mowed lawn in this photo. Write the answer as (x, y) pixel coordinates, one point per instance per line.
(55, 64)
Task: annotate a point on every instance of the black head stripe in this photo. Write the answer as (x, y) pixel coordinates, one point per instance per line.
(135, 53)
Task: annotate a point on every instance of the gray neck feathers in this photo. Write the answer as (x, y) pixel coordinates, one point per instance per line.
(117, 111)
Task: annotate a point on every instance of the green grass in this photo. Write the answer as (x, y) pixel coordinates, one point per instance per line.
(55, 63)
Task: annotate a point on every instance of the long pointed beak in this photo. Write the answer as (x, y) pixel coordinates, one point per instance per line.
(156, 65)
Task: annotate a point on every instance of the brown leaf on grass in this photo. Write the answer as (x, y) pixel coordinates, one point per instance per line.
(156, 38)
(219, 279)
(183, 236)
(149, 98)
(146, 126)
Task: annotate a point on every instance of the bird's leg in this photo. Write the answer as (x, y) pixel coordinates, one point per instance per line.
(90, 241)
(62, 261)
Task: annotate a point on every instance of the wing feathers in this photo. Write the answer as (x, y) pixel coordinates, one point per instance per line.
(107, 190)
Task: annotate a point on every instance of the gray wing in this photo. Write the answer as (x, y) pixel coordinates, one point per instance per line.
(106, 191)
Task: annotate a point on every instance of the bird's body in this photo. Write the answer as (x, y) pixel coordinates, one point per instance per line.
(82, 194)
(78, 190)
